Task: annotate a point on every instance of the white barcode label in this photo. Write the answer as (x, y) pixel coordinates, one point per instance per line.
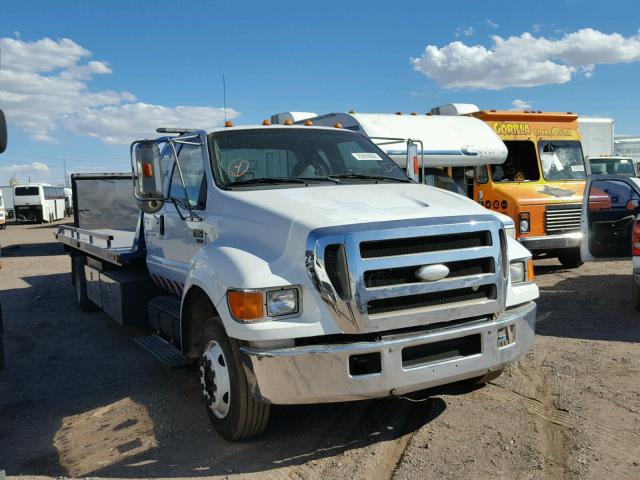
(366, 156)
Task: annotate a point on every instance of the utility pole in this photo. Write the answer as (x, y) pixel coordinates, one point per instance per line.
(64, 161)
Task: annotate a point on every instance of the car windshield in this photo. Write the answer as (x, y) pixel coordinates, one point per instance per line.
(612, 166)
(561, 160)
(296, 157)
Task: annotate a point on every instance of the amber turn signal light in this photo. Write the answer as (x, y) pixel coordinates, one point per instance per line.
(530, 274)
(147, 170)
(245, 306)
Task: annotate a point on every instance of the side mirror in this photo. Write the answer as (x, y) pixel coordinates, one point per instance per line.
(3, 132)
(145, 156)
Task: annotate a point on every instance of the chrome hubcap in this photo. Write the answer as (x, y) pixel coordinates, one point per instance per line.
(214, 378)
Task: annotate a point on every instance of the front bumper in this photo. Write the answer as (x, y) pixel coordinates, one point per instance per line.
(552, 242)
(320, 373)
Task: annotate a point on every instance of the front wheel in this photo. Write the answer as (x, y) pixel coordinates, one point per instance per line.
(234, 411)
(570, 258)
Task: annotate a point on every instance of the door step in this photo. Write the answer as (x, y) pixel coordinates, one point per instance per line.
(163, 351)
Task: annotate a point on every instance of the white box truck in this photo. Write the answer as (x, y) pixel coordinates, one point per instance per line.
(299, 264)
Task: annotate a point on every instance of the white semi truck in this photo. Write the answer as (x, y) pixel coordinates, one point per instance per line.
(299, 264)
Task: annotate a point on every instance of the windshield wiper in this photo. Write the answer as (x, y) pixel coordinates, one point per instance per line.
(268, 180)
(367, 177)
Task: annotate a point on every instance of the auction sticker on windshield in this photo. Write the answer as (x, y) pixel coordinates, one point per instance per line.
(366, 156)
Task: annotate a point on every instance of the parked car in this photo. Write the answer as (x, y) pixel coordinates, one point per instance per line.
(611, 223)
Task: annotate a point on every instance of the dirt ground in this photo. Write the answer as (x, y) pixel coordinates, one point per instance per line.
(79, 398)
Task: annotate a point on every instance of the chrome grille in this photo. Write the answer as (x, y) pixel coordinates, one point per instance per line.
(562, 218)
(382, 259)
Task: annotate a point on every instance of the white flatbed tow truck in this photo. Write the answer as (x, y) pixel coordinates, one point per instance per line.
(299, 264)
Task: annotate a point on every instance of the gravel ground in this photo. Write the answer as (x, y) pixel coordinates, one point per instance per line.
(79, 398)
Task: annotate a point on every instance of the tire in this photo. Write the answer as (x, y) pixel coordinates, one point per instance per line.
(570, 258)
(234, 411)
(486, 378)
(636, 295)
(80, 282)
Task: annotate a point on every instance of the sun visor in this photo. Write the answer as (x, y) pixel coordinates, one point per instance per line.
(447, 141)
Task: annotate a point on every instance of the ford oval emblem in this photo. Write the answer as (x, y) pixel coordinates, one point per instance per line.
(432, 273)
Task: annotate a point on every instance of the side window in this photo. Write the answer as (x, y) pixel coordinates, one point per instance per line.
(481, 174)
(192, 168)
(612, 195)
(166, 164)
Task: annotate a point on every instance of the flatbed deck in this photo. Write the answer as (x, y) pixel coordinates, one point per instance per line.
(119, 247)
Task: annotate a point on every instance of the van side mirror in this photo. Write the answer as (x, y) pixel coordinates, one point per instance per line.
(147, 175)
(3, 132)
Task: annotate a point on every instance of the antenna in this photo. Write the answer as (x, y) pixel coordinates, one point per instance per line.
(224, 99)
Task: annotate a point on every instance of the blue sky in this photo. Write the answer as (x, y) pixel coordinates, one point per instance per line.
(309, 56)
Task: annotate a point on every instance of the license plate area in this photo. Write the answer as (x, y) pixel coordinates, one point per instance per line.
(435, 352)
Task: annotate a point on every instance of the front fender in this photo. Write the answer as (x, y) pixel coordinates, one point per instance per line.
(519, 293)
(217, 268)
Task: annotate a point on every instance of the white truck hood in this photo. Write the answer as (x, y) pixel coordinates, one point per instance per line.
(282, 218)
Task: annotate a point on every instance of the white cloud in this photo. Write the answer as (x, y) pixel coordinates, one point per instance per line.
(492, 24)
(123, 123)
(525, 61)
(44, 86)
(521, 104)
(26, 167)
(466, 31)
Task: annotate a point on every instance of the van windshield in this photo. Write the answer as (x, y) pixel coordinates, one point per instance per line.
(293, 156)
(561, 160)
(25, 191)
(612, 166)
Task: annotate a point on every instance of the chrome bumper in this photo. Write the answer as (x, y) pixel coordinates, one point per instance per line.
(552, 242)
(320, 373)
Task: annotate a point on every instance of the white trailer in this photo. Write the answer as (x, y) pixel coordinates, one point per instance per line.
(299, 264)
(7, 197)
(597, 136)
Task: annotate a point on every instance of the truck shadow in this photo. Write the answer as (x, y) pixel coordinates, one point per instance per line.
(604, 304)
(79, 398)
(33, 250)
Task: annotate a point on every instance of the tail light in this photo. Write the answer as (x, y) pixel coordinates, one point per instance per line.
(635, 241)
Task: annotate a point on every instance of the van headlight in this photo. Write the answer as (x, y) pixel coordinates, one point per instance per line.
(282, 302)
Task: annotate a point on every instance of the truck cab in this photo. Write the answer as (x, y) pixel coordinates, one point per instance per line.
(540, 185)
(299, 264)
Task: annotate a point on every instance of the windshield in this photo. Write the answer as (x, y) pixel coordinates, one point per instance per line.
(612, 166)
(25, 191)
(561, 160)
(298, 157)
(521, 164)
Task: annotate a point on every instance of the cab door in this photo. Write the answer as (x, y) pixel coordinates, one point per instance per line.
(610, 207)
(174, 240)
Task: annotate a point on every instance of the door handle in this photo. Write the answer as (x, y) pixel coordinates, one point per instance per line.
(161, 224)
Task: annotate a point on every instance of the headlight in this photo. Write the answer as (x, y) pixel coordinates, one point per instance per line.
(510, 230)
(517, 272)
(524, 222)
(521, 271)
(282, 302)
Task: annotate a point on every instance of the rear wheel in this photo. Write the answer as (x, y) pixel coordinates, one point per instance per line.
(636, 295)
(570, 258)
(233, 410)
(84, 303)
